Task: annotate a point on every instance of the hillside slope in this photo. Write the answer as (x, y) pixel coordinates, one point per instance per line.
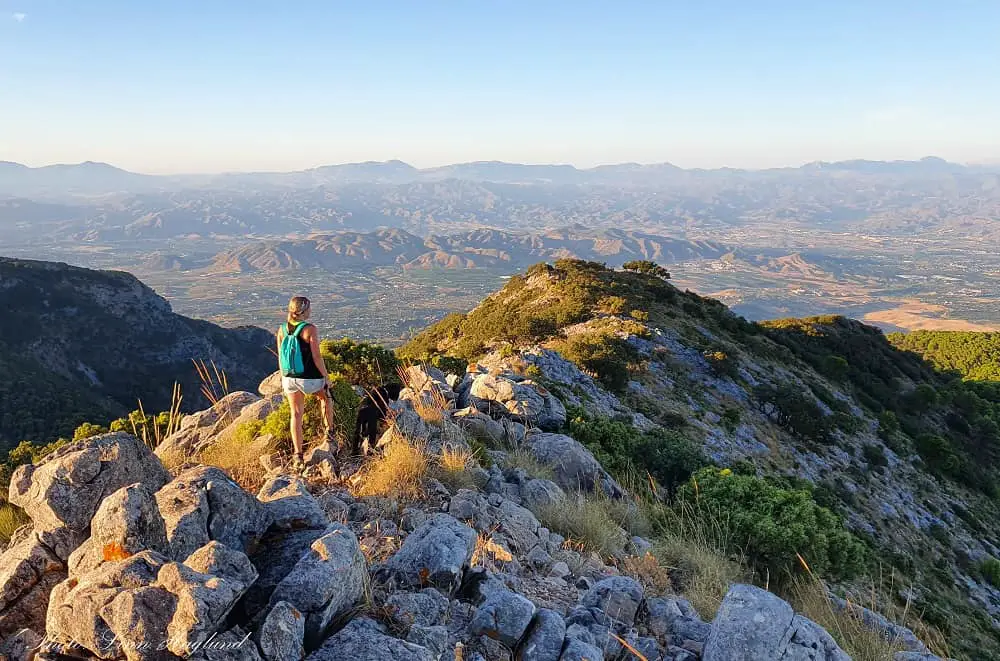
(77, 345)
(906, 453)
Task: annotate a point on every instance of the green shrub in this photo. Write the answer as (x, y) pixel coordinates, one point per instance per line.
(606, 356)
(647, 267)
(874, 456)
(939, 455)
(772, 524)
(794, 410)
(667, 455)
(361, 363)
(990, 570)
(87, 430)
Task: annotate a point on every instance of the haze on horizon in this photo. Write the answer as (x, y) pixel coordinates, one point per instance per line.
(206, 87)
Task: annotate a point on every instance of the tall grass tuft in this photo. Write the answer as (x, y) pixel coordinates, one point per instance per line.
(588, 521)
(398, 473)
(154, 429)
(214, 383)
(811, 597)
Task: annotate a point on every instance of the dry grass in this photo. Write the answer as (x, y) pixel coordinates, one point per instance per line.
(429, 404)
(452, 468)
(689, 542)
(810, 597)
(654, 577)
(214, 384)
(152, 434)
(398, 473)
(489, 554)
(11, 518)
(518, 457)
(587, 521)
(240, 458)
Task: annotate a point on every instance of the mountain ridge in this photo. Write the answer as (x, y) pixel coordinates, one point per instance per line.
(79, 344)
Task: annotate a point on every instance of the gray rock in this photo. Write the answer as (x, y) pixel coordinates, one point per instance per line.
(538, 494)
(578, 650)
(916, 656)
(639, 546)
(290, 505)
(129, 517)
(232, 645)
(68, 485)
(648, 647)
(198, 429)
(138, 620)
(750, 625)
(335, 509)
(203, 602)
(544, 639)
(811, 642)
(280, 636)
(538, 558)
(559, 569)
(203, 504)
(618, 596)
(271, 385)
(433, 638)
(326, 582)
(28, 571)
(21, 646)
(684, 629)
(278, 553)
(436, 553)
(659, 615)
(573, 464)
(218, 559)
(75, 610)
(518, 525)
(504, 616)
(364, 639)
(424, 608)
(878, 622)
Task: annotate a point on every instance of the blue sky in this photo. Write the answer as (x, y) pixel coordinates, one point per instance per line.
(181, 86)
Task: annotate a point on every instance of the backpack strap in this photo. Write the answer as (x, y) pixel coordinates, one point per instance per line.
(298, 329)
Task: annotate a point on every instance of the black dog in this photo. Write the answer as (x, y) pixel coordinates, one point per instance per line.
(371, 414)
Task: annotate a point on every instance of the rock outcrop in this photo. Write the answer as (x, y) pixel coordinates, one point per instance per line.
(123, 562)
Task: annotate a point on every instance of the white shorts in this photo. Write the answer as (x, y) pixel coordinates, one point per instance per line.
(306, 386)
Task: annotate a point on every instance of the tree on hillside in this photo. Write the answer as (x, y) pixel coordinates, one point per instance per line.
(648, 267)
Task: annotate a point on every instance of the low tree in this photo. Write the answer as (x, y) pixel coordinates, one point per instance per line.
(648, 267)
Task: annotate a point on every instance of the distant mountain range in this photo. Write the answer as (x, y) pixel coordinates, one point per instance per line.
(92, 178)
(95, 202)
(472, 249)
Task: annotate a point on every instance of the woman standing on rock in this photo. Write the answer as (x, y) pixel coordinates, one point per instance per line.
(303, 372)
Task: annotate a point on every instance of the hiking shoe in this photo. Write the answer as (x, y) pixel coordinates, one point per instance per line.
(298, 464)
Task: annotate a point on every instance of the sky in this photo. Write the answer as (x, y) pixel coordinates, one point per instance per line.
(166, 86)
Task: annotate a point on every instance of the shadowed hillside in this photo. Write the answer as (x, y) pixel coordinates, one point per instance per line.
(77, 344)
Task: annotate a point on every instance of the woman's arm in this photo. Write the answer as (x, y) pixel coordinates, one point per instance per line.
(277, 355)
(314, 346)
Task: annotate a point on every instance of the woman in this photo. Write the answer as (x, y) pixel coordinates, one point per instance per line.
(303, 372)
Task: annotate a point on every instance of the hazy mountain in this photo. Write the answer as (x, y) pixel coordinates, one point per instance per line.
(472, 249)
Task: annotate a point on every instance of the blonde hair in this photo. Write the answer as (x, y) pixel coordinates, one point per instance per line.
(298, 309)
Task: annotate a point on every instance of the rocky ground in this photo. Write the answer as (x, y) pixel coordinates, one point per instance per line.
(125, 559)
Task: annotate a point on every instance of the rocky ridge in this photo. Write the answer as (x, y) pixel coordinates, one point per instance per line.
(125, 560)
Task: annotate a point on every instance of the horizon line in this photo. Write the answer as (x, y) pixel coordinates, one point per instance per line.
(931, 158)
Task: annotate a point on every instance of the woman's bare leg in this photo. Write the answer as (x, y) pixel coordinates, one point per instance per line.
(297, 403)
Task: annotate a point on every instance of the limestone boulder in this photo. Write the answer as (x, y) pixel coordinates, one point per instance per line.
(436, 553)
(67, 486)
(573, 464)
(326, 582)
(203, 504)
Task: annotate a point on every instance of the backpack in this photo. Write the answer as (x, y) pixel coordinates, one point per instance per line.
(290, 357)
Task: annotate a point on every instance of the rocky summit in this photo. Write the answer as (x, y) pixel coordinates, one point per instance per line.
(591, 464)
(125, 558)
